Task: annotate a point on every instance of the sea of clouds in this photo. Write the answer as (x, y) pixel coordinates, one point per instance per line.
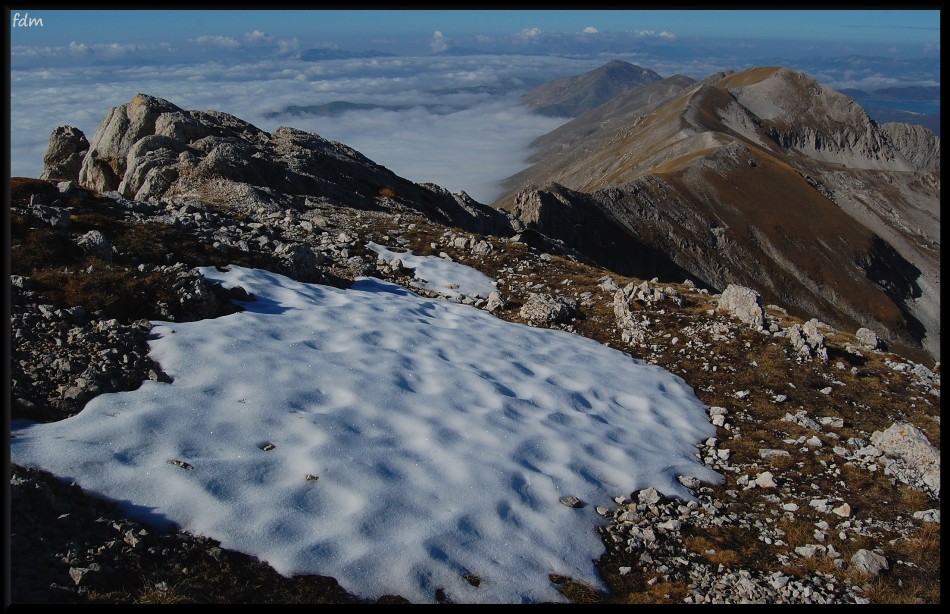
(452, 119)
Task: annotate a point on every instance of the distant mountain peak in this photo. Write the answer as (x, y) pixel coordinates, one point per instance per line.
(571, 96)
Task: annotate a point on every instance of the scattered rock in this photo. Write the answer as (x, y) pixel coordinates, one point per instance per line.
(744, 304)
(547, 309)
(868, 562)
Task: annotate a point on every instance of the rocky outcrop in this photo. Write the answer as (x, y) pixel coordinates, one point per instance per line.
(104, 165)
(909, 456)
(815, 121)
(917, 144)
(808, 341)
(65, 153)
(867, 338)
(743, 303)
(547, 310)
(150, 149)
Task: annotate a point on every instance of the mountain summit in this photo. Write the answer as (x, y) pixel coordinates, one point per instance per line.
(571, 96)
(763, 178)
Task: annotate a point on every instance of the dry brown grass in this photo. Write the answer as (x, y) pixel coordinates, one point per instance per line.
(576, 592)
(119, 292)
(912, 591)
(34, 249)
(709, 551)
(153, 595)
(918, 578)
(658, 593)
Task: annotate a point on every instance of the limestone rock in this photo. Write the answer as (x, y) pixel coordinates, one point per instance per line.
(546, 309)
(105, 163)
(808, 340)
(918, 462)
(495, 301)
(867, 338)
(743, 303)
(632, 330)
(919, 145)
(64, 154)
(96, 243)
(151, 150)
(868, 562)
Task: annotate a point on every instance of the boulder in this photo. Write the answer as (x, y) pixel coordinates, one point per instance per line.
(743, 303)
(546, 309)
(64, 154)
(919, 461)
(868, 338)
(105, 163)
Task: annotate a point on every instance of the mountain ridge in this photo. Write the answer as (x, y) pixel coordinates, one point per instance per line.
(719, 136)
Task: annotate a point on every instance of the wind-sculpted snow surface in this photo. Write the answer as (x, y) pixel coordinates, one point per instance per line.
(394, 442)
(440, 275)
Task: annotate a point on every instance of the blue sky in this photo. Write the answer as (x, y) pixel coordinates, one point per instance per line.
(916, 27)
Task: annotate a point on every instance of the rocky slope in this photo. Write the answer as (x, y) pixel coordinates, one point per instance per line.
(802, 410)
(763, 178)
(829, 444)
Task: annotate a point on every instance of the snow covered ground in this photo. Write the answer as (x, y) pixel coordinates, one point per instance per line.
(394, 442)
(440, 275)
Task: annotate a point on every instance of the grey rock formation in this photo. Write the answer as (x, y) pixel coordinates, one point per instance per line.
(808, 341)
(300, 260)
(916, 460)
(916, 143)
(547, 309)
(149, 149)
(867, 338)
(96, 243)
(633, 330)
(104, 165)
(496, 301)
(64, 154)
(743, 303)
(869, 562)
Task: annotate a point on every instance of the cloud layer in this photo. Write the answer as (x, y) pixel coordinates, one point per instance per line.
(454, 117)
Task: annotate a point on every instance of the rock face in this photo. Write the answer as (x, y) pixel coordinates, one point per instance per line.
(64, 154)
(818, 122)
(916, 143)
(761, 178)
(150, 149)
(867, 338)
